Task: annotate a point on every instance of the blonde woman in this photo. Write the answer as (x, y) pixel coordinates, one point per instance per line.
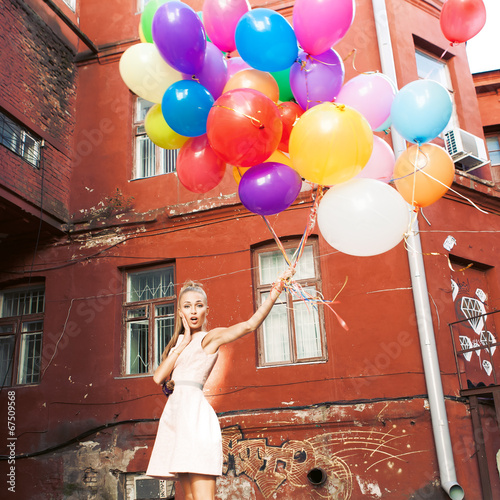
(188, 444)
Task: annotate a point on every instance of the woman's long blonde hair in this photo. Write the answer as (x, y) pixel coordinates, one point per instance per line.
(189, 286)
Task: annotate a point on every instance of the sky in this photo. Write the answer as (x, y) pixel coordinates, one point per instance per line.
(483, 51)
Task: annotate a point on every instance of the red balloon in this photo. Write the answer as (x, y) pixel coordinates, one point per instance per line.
(244, 127)
(199, 169)
(290, 112)
(462, 19)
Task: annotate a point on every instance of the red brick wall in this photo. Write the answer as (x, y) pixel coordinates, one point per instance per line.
(37, 89)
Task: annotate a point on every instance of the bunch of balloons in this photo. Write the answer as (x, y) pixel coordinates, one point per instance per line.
(242, 87)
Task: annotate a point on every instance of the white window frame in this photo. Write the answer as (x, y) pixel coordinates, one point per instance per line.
(285, 317)
(21, 142)
(430, 67)
(162, 161)
(493, 147)
(155, 311)
(21, 331)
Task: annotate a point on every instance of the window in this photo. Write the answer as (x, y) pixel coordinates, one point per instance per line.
(151, 160)
(432, 68)
(71, 4)
(136, 486)
(21, 332)
(149, 318)
(19, 141)
(493, 145)
(293, 332)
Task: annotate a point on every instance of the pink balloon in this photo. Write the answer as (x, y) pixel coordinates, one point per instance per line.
(220, 18)
(371, 95)
(380, 166)
(235, 64)
(320, 24)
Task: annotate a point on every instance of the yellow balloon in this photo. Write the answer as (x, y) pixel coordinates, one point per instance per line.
(159, 132)
(146, 73)
(330, 144)
(142, 38)
(280, 157)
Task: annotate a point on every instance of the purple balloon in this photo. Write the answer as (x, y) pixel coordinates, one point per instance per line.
(213, 75)
(179, 36)
(316, 79)
(269, 188)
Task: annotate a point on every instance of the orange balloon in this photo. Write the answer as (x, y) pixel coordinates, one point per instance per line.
(423, 175)
(254, 79)
(277, 157)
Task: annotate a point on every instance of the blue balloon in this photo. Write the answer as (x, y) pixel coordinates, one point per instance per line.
(185, 107)
(421, 110)
(265, 40)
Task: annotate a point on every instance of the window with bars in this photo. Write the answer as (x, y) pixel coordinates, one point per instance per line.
(21, 333)
(149, 318)
(21, 142)
(293, 332)
(150, 160)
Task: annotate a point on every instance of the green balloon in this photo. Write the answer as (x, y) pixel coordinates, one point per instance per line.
(147, 17)
(283, 80)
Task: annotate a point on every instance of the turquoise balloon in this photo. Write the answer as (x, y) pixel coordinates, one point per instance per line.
(421, 110)
(185, 107)
(265, 40)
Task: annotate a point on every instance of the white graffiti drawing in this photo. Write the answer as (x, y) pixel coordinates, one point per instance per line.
(473, 309)
(488, 337)
(481, 295)
(465, 343)
(454, 290)
(487, 367)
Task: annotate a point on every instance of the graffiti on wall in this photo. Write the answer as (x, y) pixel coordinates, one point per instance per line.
(350, 458)
(477, 333)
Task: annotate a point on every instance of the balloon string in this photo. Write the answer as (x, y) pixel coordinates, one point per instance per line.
(437, 254)
(414, 178)
(254, 121)
(294, 288)
(456, 192)
(416, 169)
(353, 51)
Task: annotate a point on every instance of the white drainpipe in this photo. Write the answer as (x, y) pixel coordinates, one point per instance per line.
(430, 359)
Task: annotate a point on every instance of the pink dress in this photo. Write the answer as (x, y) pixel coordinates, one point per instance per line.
(189, 435)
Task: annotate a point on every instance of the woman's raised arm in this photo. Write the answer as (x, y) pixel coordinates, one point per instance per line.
(224, 335)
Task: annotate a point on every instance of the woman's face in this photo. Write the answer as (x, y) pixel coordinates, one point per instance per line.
(194, 308)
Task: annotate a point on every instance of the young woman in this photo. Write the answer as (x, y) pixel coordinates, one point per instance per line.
(188, 443)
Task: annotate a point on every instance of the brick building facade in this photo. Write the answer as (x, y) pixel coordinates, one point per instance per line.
(85, 236)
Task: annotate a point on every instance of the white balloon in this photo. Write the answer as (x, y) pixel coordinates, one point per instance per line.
(363, 217)
(146, 73)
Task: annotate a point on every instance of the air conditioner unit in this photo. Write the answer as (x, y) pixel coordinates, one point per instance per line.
(468, 151)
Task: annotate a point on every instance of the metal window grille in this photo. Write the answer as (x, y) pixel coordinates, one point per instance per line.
(23, 302)
(151, 160)
(149, 317)
(19, 141)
